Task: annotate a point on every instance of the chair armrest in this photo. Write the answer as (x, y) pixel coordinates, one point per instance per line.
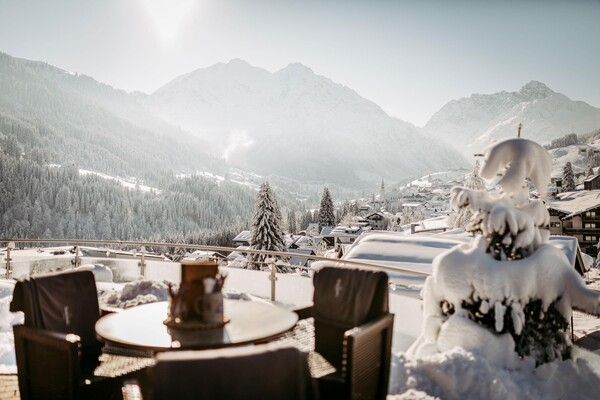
(367, 356)
(49, 338)
(304, 312)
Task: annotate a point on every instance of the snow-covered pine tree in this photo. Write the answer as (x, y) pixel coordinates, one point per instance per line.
(326, 211)
(266, 228)
(411, 214)
(568, 180)
(473, 181)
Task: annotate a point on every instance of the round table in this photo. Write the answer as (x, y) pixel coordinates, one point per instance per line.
(142, 327)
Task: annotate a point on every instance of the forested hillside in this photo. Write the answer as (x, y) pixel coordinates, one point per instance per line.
(40, 201)
(70, 118)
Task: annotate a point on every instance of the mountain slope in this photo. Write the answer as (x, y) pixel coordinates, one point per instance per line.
(70, 118)
(298, 124)
(476, 121)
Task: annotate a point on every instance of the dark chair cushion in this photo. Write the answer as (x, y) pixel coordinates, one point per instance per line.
(63, 303)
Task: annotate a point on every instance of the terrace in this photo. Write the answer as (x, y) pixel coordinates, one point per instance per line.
(406, 260)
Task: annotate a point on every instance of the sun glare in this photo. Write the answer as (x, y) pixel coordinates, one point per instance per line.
(168, 16)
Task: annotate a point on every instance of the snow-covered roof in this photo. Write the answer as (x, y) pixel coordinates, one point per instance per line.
(573, 203)
(412, 205)
(243, 236)
(206, 253)
(375, 214)
(303, 241)
(394, 249)
(591, 178)
(300, 260)
(326, 230)
(570, 247)
(440, 222)
(345, 231)
(238, 252)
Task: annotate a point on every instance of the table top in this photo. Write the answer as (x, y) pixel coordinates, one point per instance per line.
(142, 327)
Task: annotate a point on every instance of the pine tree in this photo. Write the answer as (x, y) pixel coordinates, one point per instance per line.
(266, 228)
(326, 211)
(292, 222)
(568, 181)
(590, 171)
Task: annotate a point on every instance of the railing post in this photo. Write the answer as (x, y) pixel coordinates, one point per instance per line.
(142, 263)
(273, 278)
(77, 260)
(9, 247)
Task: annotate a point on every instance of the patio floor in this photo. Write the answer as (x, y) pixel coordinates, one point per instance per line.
(9, 387)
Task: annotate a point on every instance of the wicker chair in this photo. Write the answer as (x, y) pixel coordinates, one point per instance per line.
(56, 348)
(353, 332)
(253, 372)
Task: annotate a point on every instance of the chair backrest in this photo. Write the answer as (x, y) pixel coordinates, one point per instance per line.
(345, 298)
(65, 303)
(255, 372)
(368, 359)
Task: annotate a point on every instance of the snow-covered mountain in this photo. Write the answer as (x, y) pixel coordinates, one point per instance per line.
(298, 124)
(476, 121)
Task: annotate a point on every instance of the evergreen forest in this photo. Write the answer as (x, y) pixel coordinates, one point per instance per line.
(40, 201)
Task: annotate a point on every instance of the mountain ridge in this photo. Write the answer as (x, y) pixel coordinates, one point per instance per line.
(478, 120)
(256, 118)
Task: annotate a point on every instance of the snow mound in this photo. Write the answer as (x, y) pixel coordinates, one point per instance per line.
(134, 294)
(468, 374)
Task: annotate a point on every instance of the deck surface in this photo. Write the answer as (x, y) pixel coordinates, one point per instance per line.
(9, 387)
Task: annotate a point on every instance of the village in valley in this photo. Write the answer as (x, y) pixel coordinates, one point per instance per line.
(422, 206)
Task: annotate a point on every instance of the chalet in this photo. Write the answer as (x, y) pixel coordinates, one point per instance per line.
(377, 221)
(577, 214)
(296, 261)
(592, 183)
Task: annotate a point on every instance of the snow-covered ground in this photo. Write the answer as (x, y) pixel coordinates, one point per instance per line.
(128, 183)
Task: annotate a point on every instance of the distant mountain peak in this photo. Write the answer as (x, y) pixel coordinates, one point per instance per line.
(238, 62)
(536, 89)
(477, 121)
(297, 68)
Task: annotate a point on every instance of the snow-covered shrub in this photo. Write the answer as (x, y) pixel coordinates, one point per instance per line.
(135, 293)
(508, 295)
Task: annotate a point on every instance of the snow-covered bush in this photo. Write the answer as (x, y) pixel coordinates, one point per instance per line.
(508, 295)
(461, 217)
(134, 294)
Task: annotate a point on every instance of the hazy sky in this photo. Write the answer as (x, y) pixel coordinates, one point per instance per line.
(410, 57)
